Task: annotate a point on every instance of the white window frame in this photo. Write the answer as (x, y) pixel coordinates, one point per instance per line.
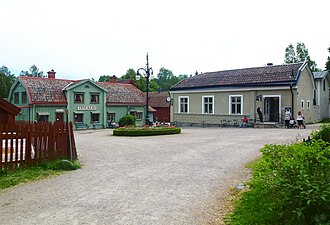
(179, 104)
(302, 104)
(139, 115)
(203, 104)
(308, 104)
(242, 105)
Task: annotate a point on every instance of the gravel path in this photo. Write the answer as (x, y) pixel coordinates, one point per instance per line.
(145, 180)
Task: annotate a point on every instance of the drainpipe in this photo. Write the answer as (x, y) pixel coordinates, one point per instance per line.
(292, 100)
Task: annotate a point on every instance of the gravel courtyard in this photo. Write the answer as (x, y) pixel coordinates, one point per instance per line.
(171, 179)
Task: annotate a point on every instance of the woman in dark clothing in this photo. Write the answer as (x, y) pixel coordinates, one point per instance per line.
(260, 114)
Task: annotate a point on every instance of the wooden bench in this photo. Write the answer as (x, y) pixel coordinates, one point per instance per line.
(81, 126)
(98, 125)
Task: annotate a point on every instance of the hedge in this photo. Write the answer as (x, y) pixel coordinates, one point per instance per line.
(146, 131)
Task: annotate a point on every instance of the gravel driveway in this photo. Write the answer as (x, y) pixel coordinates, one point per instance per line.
(142, 180)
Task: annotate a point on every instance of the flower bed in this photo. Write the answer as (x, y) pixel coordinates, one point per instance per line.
(145, 131)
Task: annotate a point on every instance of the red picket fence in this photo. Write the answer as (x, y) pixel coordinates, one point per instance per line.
(24, 143)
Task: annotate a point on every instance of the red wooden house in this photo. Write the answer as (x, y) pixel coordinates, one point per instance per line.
(157, 100)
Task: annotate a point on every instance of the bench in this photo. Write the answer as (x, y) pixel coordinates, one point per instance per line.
(81, 126)
(98, 125)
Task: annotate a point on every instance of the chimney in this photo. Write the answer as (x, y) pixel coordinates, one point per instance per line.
(113, 79)
(51, 74)
(269, 64)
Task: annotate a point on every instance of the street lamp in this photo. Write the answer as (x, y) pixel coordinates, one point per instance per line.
(147, 71)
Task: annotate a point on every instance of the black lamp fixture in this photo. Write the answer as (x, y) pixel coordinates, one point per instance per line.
(146, 72)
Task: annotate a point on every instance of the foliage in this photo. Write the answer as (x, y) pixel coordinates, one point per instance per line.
(166, 79)
(300, 54)
(6, 80)
(145, 131)
(104, 78)
(327, 64)
(290, 185)
(43, 170)
(33, 72)
(323, 133)
(127, 120)
(325, 120)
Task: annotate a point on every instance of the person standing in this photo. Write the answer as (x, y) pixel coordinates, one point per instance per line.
(287, 117)
(260, 114)
(300, 120)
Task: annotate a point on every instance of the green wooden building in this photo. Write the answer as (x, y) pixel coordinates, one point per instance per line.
(80, 101)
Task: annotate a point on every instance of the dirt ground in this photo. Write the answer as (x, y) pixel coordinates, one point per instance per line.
(172, 179)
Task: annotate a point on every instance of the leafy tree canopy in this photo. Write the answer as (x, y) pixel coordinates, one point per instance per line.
(33, 72)
(327, 64)
(6, 80)
(104, 78)
(299, 54)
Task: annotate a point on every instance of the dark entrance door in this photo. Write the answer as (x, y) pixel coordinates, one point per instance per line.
(59, 116)
(273, 109)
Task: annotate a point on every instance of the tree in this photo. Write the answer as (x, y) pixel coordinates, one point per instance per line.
(33, 72)
(104, 78)
(6, 81)
(300, 54)
(327, 64)
(140, 83)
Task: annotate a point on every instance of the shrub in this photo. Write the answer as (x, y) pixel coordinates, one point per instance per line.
(290, 185)
(323, 133)
(146, 131)
(127, 120)
(325, 120)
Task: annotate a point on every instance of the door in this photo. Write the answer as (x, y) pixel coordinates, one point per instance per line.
(59, 116)
(271, 107)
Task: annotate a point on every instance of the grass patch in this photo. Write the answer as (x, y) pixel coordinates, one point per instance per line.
(253, 163)
(32, 173)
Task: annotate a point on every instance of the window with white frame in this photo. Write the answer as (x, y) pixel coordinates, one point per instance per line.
(308, 104)
(235, 104)
(183, 104)
(138, 115)
(208, 106)
(302, 104)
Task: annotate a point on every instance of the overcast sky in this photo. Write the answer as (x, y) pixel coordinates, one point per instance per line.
(87, 39)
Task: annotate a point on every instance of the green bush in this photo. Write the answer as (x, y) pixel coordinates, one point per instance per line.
(323, 133)
(147, 131)
(325, 120)
(290, 185)
(127, 120)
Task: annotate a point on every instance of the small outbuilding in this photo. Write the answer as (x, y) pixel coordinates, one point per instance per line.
(8, 112)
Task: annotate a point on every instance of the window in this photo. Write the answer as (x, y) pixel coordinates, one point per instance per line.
(79, 98)
(235, 102)
(208, 104)
(111, 117)
(324, 85)
(183, 104)
(16, 98)
(78, 117)
(24, 97)
(139, 115)
(95, 98)
(95, 117)
(59, 116)
(308, 104)
(302, 104)
(43, 116)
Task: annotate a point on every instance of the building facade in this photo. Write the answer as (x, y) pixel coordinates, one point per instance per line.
(80, 101)
(211, 98)
(322, 80)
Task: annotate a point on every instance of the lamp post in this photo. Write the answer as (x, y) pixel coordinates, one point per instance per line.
(147, 72)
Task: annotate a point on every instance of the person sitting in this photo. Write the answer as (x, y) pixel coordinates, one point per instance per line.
(244, 123)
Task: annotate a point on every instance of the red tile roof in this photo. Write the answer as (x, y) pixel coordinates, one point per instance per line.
(268, 75)
(158, 99)
(122, 94)
(50, 91)
(44, 90)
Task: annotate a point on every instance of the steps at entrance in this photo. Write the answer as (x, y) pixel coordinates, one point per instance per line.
(266, 125)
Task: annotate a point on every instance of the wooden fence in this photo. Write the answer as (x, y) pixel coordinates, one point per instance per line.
(24, 143)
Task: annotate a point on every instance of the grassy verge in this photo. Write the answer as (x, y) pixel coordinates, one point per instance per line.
(44, 170)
